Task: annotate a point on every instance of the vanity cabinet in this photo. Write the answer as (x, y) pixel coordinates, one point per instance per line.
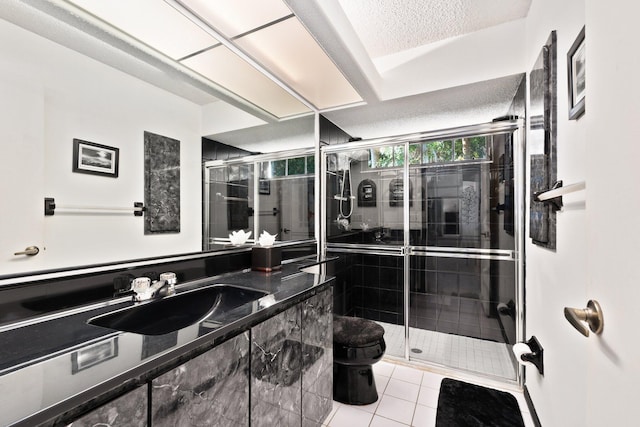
(129, 410)
(292, 365)
(280, 372)
(209, 390)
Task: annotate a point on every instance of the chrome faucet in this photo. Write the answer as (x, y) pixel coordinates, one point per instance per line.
(145, 290)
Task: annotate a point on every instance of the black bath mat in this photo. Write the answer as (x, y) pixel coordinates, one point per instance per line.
(462, 404)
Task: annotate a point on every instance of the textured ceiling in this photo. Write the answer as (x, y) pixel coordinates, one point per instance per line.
(443, 109)
(390, 26)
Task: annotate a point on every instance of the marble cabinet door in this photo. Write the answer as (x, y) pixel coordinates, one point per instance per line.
(276, 362)
(317, 358)
(209, 390)
(129, 410)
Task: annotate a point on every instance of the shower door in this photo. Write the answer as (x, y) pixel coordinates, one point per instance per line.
(428, 228)
(365, 226)
(463, 296)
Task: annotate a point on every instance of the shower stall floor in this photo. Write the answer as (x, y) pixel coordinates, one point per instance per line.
(454, 351)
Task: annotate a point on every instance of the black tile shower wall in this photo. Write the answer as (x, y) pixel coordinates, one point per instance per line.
(343, 288)
(450, 295)
(460, 296)
(370, 286)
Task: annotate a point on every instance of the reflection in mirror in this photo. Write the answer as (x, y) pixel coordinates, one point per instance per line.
(230, 203)
(278, 199)
(287, 197)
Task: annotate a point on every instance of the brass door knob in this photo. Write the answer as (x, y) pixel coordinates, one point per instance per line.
(592, 316)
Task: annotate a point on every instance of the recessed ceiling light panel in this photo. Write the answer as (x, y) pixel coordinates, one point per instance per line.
(234, 17)
(154, 23)
(293, 55)
(225, 68)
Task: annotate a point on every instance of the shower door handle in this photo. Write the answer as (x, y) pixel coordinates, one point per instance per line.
(592, 315)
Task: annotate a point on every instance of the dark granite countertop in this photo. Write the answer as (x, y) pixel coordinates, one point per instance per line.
(54, 370)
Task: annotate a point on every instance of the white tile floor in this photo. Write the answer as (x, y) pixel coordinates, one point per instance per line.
(408, 396)
(459, 352)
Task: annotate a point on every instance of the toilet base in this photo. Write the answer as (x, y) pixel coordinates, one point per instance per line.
(354, 384)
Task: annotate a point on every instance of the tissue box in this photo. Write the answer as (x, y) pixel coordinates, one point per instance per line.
(266, 258)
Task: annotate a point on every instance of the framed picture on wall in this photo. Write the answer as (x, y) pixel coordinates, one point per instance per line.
(577, 82)
(95, 159)
(264, 186)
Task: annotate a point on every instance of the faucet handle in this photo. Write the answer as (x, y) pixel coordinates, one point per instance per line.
(140, 284)
(169, 277)
(142, 288)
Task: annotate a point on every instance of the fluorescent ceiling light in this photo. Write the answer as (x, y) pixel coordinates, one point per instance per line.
(256, 49)
(154, 23)
(292, 54)
(226, 69)
(234, 17)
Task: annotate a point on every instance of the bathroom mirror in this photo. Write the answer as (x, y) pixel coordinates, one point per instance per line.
(42, 112)
(270, 192)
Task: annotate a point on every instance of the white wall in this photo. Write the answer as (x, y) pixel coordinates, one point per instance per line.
(612, 111)
(87, 100)
(555, 279)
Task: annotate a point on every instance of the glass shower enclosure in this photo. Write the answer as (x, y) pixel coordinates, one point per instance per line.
(429, 230)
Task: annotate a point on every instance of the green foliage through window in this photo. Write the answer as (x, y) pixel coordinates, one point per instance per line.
(296, 166)
(278, 168)
(471, 148)
(387, 157)
(293, 166)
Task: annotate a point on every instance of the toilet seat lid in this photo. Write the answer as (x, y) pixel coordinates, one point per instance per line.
(355, 331)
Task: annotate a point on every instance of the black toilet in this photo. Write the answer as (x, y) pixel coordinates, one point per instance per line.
(357, 344)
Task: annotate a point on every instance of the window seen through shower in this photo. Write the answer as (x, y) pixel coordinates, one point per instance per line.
(456, 150)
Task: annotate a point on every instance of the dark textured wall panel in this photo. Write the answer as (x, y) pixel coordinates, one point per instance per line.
(161, 184)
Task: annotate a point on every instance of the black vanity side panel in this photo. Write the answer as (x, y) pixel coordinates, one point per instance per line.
(276, 370)
(317, 344)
